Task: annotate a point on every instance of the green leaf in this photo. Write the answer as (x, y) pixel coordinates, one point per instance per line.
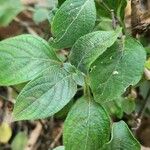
(73, 20)
(114, 108)
(40, 15)
(89, 47)
(128, 105)
(118, 6)
(9, 9)
(59, 148)
(105, 25)
(63, 112)
(45, 95)
(120, 105)
(119, 67)
(23, 58)
(122, 138)
(19, 142)
(87, 126)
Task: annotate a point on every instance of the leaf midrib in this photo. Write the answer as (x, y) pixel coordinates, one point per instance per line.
(88, 118)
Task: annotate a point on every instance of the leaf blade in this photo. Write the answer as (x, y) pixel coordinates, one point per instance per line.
(90, 118)
(89, 47)
(117, 69)
(122, 138)
(69, 18)
(8, 11)
(45, 95)
(23, 58)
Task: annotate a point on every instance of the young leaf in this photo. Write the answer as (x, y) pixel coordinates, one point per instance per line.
(87, 126)
(23, 57)
(119, 67)
(73, 20)
(45, 95)
(122, 138)
(89, 47)
(9, 9)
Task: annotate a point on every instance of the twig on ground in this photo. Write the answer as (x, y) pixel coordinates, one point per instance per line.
(56, 139)
(34, 137)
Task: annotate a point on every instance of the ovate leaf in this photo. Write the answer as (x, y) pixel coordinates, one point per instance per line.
(23, 57)
(9, 9)
(45, 95)
(89, 47)
(120, 66)
(72, 20)
(86, 127)
(122, 138)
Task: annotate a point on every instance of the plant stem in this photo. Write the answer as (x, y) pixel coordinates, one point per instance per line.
(114, 22)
